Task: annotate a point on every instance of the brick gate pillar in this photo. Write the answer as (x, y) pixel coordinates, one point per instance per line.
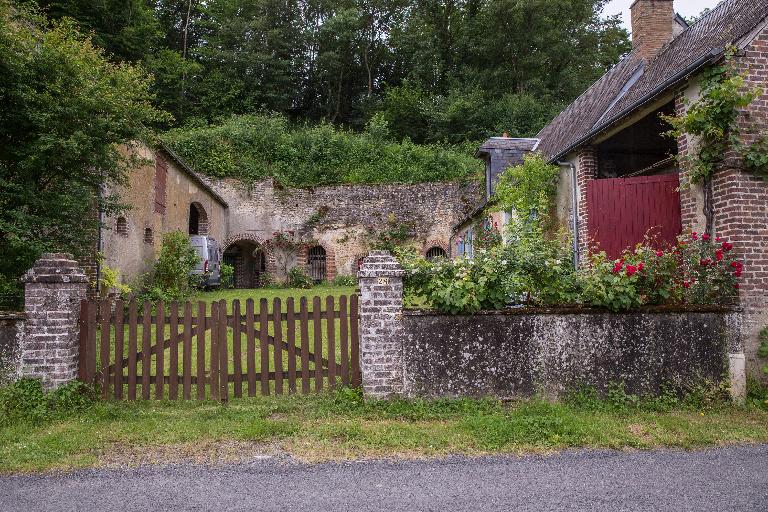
(381, 307)
(53, 289)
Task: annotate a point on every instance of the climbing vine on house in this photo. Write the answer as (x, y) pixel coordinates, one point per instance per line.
(712, 119)
(528, 189)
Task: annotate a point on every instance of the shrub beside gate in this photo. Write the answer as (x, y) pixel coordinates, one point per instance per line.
(219, 351)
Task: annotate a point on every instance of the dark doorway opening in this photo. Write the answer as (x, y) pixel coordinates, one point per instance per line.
(640, 149)
(198, 219)
(316, 261)
(249, 262)
(436, 252)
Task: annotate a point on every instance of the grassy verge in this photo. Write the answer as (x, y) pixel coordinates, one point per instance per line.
(343, 426)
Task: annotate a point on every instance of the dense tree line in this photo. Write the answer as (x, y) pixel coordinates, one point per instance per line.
(437, 70)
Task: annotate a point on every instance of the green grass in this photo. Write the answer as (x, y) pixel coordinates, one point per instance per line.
(342, 426)
(270, 294)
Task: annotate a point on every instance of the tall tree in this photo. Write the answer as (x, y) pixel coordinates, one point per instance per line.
(64, 111)
(126, 29)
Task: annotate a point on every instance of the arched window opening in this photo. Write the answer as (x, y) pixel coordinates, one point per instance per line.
(121, 226)
(198, 219)
(316, 263)
(149, 237)
(436, 252)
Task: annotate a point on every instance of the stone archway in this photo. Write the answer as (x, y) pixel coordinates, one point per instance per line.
(303, 259)
(435, 248)
(251, 258)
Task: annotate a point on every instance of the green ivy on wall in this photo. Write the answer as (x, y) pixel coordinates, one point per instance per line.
(712, 119)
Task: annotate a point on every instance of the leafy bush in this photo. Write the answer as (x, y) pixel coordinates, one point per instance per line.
(261, 146)
(698, 270)
(539, 268)
(528, 189)
(298, 278)
(457, 286)
(171, 278)
(227, 275)
(110, 280)
(347, 280)
(535, 270)
(25, 400)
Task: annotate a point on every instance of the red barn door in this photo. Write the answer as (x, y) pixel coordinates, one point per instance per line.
(623, 210)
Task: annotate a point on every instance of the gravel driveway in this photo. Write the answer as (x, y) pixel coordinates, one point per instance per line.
(725, 479)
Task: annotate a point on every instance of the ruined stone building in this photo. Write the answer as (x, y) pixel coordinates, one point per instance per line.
(266, 229)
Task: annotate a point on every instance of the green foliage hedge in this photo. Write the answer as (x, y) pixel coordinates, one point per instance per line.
(261, 146)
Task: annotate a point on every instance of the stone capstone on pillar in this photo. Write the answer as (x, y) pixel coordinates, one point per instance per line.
(381, 309)
(53, 289)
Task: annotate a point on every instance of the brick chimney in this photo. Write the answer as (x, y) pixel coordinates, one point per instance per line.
(653, 23)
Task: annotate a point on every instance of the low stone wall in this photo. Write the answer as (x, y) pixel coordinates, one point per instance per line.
(524, 352)
(11, 332)
(520, 354)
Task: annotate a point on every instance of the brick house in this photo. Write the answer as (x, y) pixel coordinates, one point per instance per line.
(619, 175)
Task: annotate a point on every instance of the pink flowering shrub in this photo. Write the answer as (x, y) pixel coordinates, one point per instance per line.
(698, 270)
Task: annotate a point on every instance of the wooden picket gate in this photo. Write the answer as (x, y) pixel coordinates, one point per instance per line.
(219, 353)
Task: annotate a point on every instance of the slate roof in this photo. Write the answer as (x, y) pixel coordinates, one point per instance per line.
(508, 143)
(632, 83)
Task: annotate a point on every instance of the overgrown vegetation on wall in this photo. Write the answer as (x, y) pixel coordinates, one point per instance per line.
(262, 146)
(712, 120)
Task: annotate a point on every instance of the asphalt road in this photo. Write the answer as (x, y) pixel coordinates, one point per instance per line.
(729, 479)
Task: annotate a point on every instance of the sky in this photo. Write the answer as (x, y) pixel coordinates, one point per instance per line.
(685, 8)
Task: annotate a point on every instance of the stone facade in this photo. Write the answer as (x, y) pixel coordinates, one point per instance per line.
(524, 353)
(381, 308)
(157, 205)
(345, 220)
(11, 333)
(54, 288)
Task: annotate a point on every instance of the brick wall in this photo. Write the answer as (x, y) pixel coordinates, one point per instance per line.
(381, 308)
(652, 26)
(586, 170)
(53, 289)
(740, 201)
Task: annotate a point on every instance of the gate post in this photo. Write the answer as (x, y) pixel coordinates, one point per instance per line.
(381, 308)
(53, 289)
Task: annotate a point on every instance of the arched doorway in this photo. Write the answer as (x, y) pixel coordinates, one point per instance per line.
(198, 219)
(249, 261)
(317, 263)
(436, 252)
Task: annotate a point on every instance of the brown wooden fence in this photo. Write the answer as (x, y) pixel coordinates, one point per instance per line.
(219, 349)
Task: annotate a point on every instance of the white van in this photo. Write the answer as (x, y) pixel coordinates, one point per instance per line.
(209, 263)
